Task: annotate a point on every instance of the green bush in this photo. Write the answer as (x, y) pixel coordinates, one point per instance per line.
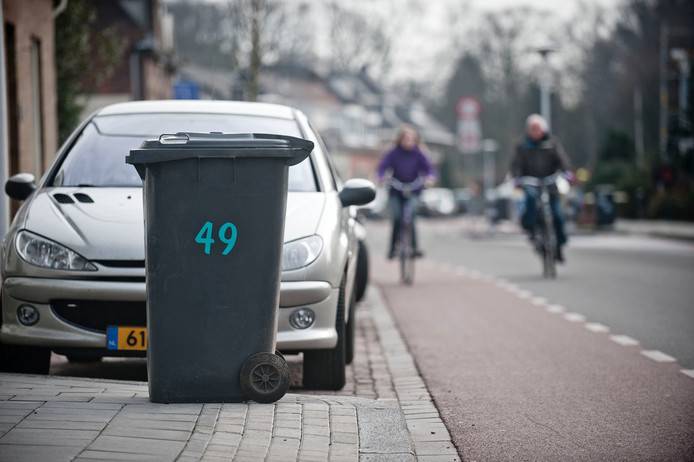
(672, 205)
(623, 176)
(84, 56)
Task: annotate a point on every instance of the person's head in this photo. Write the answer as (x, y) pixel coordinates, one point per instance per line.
(536, 127)
(408, 138)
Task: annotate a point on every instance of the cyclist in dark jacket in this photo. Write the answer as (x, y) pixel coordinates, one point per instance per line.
(406, 163)
(539, 154)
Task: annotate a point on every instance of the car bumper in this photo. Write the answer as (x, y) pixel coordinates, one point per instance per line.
(55, 331)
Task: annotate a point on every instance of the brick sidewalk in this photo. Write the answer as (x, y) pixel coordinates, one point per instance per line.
(384, 413)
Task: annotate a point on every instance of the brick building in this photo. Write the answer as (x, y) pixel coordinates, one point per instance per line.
(146, 66)
(30, 88)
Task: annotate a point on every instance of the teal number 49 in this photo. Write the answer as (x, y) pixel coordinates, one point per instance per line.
(227, 234)
(205, 236)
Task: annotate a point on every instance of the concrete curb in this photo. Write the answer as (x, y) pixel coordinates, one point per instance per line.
(431, 439)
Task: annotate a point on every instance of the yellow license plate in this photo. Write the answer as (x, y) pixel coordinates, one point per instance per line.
(126, 338)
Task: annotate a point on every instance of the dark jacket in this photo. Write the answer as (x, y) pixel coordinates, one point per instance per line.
(539, 158)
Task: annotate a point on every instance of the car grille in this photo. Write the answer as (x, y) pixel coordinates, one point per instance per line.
(98, 315)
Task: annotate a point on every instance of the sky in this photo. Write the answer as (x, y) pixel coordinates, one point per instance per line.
(565, 6)
(425, 27)
(430, 35)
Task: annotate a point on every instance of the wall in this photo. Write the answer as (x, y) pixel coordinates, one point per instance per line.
(31, 19)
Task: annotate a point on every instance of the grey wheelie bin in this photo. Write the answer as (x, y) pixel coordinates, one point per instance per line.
(214, 223)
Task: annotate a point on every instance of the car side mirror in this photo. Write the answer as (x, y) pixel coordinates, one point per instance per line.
(20, 186)
(357, 191)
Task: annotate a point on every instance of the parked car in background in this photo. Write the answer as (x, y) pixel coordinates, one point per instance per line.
(463, 196)
(437, 202)
(73, 259)
(378, 208)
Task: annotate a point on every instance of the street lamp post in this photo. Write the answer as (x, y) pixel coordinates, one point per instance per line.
(545, 86)
(489, 148)
(682, 59)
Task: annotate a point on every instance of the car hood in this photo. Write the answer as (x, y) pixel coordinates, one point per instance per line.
(107, 223)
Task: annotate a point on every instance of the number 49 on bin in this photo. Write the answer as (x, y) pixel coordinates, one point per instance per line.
(227, 233)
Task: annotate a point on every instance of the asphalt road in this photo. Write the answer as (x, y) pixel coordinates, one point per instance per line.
(514, 381)
(638, 286)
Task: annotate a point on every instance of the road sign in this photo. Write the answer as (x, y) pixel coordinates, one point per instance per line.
(469, 127)
(186, 89)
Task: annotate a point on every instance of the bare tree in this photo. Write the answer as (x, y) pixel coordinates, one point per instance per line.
(268, 32)
(358, 40)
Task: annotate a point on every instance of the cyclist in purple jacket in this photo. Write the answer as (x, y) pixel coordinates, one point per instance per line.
(406, 163)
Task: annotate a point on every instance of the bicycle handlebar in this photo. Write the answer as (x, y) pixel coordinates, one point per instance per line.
(406, 187)
(538, 182)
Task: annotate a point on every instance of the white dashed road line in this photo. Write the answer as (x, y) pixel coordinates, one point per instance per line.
(658, 356)
(597, 327)
(624, 340)
(555, 309)
(524, 294)
(574, 317)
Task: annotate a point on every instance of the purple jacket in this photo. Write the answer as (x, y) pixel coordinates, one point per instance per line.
(405, 166)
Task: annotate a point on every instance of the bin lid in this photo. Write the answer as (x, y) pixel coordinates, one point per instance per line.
(183, 145)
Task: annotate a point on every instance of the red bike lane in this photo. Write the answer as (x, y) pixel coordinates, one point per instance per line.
(514, 380)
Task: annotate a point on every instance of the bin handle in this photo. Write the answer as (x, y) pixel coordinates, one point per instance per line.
(178, 138)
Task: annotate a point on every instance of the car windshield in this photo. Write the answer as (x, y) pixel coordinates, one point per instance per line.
(98, 156)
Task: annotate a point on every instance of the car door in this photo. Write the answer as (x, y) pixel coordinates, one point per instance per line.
(347, 217)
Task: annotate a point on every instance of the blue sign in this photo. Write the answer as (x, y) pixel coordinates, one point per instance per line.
(112, 337)
(186, 89)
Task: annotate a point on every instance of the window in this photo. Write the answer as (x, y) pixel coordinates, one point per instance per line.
(37, 105)
(98, 156)
(12, 108)
(337, 180)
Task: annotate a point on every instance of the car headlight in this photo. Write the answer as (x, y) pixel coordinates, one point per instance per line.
(45, 253)
(301, 252)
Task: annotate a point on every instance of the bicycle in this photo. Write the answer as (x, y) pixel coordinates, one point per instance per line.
(405, 249)
(546, 239)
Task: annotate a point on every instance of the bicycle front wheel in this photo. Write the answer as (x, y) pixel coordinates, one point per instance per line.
(549, 262)
(407, 269)
(406, 258)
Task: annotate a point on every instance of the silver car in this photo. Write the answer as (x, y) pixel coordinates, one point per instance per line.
(73, 259)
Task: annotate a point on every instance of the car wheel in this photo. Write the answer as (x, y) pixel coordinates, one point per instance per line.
(349, 331)
(361, 280)
(325, 369)
(24, 359)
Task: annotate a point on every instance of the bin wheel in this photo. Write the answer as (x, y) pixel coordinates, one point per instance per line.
(264, 377)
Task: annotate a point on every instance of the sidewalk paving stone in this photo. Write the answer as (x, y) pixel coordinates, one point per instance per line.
(383, 413)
